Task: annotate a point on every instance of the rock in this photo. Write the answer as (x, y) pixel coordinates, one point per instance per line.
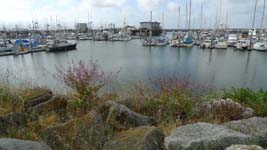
(205, 136)
(35, 97)
(119, 116)
(12, 120)
(255, 126)
(56, 104)
(225, 109)
(87, 132)
(140, 138)
(15, 144)
(244, 147)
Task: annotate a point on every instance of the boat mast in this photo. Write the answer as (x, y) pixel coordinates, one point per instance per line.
(201, 16)
(150, 32)
(186, 16)
(255, 9)
(263, 14)
(220, 13)
(189, 27)
(178, 15)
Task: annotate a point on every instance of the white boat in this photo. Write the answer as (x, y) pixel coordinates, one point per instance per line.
(242, 44)
(176, 42)
(260, 46)
(221, 44)
(149, 42)
(232, 40)
(6, 46)
(206, 44)
(162, 41)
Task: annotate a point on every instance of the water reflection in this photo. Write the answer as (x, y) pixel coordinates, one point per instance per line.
(223, 68)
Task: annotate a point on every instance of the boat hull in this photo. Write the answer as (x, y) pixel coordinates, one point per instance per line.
(62, 48)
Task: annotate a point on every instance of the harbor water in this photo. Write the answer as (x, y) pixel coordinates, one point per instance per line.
(220, 68)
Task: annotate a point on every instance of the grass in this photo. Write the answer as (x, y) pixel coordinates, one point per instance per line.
(257, 100)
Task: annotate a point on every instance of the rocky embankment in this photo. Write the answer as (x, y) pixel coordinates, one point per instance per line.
(113, 126)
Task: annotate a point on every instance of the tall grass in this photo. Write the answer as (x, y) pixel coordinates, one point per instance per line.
(257, 100)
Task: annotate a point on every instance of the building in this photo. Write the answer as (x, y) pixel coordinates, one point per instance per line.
(145, 28)
(82, 27)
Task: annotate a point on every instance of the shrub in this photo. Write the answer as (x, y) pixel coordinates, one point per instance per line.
(86, 79)
(169, 99)
(257, 100)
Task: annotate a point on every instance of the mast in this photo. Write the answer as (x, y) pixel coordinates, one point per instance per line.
(263, 13)
(163, 20)
(179, 12)
(189, 16)
(255, 9)
(220, 13)
(216, 19)
(201, 16)
(186, 16)
(150, 32)
(226, 23)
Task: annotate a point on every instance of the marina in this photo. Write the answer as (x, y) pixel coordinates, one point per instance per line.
(218, 67)
(133, 75)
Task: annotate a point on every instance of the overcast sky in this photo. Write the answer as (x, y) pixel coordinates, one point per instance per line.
(103, 12)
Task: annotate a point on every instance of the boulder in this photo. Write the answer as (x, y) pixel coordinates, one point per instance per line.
(140, 138)
(244, 147)
(56, 104)
(87, 132)
(12, 120)
(35, 97)
(15, 144)
(225, 109)
(205, 136)
(255, 126)
(118, 116)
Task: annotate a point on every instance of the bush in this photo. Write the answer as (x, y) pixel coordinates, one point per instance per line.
(257, 100)
(170, 99)
(86, 79)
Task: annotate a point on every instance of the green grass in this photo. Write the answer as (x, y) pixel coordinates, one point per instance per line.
(257, 100)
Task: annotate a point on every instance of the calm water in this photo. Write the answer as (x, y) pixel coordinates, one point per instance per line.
(222, 68)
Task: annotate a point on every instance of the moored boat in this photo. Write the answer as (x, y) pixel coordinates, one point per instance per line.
(60, 45)
(242, 44)
(221, 44)
(260, 46)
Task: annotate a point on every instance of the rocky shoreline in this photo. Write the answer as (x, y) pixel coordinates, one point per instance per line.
(114, 126)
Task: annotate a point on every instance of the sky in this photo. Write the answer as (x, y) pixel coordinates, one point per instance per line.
(104, 12)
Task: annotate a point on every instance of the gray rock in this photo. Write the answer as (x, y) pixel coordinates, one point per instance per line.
(244, 147)
(205, 136)
(255, 126)
(140, 138)
(12, 120)
(119, 116)
(15, 144)
(225, 109)
(87, 132)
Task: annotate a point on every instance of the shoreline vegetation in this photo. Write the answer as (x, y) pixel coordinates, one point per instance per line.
(39, 115)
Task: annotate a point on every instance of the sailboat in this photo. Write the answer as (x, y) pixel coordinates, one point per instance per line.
(149, 41)
(177, 41)
(261, 46)
(188, 41)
